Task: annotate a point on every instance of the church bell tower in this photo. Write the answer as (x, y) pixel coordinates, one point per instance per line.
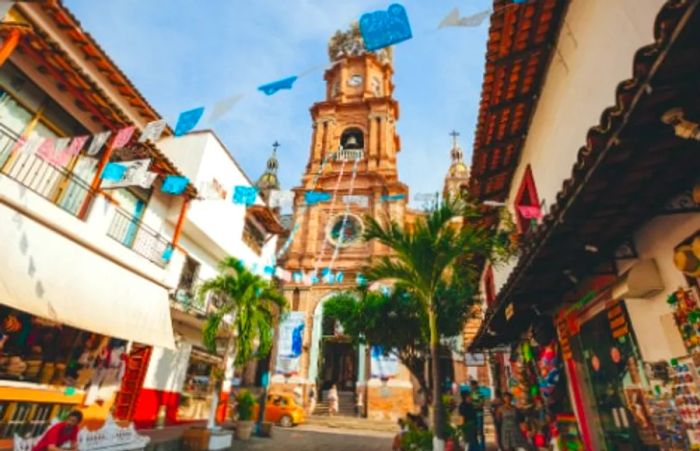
(354, 146)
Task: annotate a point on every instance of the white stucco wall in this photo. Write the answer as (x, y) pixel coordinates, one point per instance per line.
(167, 369)
(656, 239)
(596, 50)
(215, 225)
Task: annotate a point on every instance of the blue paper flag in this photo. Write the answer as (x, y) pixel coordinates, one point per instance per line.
(315, 197)
(339, 277)
(187, 120)
(244, 195)
(381, 29)
(114, 172)
(315, 279)
(269, 270)
(271, 88)
(361, 280)
(167, 254)
(174, 184)
(393, 197)
(385, 291)
(297, 277)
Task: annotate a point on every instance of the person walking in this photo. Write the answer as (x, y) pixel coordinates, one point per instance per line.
(478, 403)
(312, 400)
(298, 395)
(61, 434)
(469, 423)
(511, 435)
(495, 405)
(332, 400)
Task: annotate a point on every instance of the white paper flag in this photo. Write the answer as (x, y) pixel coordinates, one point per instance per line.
(98, 141)
(223, 106)
(281, 198)
(453, 19)
(29, 145)
(152, 131)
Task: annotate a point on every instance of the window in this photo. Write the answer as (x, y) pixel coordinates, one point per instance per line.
(25, 110)
(188, 277)
(295, 300)
(253, 236)
(527, 204)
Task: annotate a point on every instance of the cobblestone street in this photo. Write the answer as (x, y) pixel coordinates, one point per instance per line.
(309, 438)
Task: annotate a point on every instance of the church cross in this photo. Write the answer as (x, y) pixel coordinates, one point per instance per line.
(454, 134)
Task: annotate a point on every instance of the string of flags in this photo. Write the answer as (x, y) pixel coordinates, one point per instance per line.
(379, 29)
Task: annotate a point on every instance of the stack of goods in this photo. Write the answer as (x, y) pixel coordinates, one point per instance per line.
(687, 399)
(666, 421)
(687, 315)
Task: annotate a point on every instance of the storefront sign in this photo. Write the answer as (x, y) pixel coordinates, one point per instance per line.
(383, 365)
(474, 359)
(291, 334)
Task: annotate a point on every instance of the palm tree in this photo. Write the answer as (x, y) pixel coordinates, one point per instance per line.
(252, 304)
(442, 250)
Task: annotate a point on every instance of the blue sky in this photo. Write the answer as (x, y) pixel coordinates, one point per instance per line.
(183, 54)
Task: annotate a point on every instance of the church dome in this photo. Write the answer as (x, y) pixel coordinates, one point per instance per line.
(268, 180)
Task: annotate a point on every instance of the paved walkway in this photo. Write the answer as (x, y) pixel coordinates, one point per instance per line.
(314, 438)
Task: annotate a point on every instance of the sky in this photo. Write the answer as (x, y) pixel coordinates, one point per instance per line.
(182, 54)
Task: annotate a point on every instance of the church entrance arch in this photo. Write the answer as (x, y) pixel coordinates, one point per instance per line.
(333, 358)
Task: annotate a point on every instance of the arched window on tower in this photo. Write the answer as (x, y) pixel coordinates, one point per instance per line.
(295, 300)
(352, 139)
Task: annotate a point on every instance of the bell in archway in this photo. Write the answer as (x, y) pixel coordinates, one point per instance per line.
(351, 142)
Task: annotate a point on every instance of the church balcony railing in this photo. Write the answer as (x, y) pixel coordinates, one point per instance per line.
(349, 155)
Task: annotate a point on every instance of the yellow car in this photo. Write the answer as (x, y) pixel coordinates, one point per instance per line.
(281, 409)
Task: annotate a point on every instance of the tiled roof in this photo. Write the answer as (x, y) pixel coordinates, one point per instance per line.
(520, 45)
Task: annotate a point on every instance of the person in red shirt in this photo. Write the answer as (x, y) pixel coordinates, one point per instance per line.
(61, 433)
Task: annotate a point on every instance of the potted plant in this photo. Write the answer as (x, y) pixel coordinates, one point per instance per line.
(244, 425)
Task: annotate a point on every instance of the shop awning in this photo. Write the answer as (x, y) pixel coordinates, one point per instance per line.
(632, 164)
(47, 273)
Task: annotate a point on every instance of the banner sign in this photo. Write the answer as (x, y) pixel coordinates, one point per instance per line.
(383, 365)
(291, 337)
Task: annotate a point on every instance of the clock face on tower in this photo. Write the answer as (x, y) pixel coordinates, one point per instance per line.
(344, 230)
(355, 80)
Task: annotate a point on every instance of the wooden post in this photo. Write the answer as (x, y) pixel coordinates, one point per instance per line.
(180, 221)
(9, 45)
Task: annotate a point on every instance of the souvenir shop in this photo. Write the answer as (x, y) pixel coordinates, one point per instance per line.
(533, 373)
(47, 369)
(624, 402)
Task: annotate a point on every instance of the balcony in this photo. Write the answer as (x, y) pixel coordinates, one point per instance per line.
(65, 189)
(137, 236)
(55, 184)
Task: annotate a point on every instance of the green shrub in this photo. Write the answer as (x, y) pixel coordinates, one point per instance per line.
(417, 440)
(245, 401)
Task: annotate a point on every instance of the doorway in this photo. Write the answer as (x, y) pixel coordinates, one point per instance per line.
(605, 363)
(338, 364)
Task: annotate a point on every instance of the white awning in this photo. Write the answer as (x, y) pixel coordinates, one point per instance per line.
(45, 273)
